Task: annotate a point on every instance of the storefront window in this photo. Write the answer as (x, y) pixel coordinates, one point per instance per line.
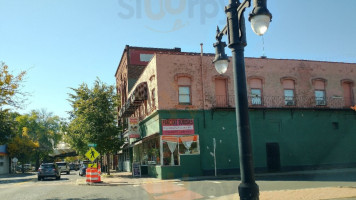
(174, 146)
(170, 153)
(147, 152)
(188, 145)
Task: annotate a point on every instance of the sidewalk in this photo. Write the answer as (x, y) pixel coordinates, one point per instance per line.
(122, 178)
(326, 193)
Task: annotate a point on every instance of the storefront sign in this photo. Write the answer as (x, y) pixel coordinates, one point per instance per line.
(133, 131)
(177, 126)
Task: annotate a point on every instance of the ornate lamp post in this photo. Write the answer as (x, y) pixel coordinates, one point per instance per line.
(260, 18)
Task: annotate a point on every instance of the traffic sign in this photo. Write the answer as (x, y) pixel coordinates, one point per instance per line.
(91, 145)
(94, 165)
(92, 154)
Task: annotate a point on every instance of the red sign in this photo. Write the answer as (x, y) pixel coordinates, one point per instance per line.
(132, 135)
(177, 127)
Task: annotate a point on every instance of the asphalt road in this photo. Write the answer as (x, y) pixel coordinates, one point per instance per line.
(28, 187)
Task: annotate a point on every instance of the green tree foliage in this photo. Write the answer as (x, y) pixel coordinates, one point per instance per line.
(10, 87)
(42, 128)
(93, 118)
(22, 147)
(9, 96)
(7, 125)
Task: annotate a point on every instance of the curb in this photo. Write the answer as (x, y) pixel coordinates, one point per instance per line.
(112, 180)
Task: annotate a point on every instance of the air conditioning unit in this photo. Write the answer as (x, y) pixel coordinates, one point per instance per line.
(289, 103)
(320, 102)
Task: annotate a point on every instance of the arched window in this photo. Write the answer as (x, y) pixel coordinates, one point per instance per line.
(289, 91)
(319, 92)
(347, 87)
(256, 91)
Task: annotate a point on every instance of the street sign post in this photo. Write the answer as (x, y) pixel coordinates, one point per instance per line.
(91, 145)
(92, 154)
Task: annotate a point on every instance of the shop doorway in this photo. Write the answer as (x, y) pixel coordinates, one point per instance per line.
(273, 156)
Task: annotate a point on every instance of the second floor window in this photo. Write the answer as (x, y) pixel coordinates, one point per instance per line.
(289, 97)
(184, 95)
(256, 97)
(289, 92)
(320, 98)
(184, 90)
(256, 90)
(319, 91)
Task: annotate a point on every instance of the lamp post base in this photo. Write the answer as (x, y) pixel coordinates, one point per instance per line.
(249, 191)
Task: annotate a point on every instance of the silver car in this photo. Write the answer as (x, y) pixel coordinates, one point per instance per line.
(48, 170)
(64, 167)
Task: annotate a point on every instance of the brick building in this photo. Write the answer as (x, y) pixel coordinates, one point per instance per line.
(300, 114)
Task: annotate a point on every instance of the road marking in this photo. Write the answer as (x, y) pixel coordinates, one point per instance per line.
(136, 185)
(180, 184)
(216, 182)
(211, 197)
(24, 182)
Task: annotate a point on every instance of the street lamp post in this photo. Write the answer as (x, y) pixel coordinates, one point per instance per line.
(260, 18)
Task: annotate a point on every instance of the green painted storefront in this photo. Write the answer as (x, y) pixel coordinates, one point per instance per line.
(283, 139)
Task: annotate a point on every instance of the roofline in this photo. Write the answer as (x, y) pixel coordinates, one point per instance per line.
(177, 51)
(128, 47)
(262, 58)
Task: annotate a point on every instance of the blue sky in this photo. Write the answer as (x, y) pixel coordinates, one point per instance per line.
(63, 43)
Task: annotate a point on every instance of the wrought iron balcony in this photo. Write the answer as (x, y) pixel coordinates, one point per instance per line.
(283, 102)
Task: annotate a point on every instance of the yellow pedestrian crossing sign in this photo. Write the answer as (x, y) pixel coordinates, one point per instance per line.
(92, 154)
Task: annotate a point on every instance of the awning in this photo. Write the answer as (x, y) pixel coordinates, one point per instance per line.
(124, 145)
(135, 100)
(150, 137)
(3, 150)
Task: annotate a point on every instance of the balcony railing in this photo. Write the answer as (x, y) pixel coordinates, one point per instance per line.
(283, 102)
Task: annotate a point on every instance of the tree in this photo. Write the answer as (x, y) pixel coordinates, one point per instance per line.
(10, 87)
(7, 124)
(93, 118)
(9, 96)
(22, 147)
(44, 129)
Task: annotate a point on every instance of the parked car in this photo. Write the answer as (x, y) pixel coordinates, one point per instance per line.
(74, 166)
(82, 169)
(48, 170)
(64, 167)
(27, 167)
